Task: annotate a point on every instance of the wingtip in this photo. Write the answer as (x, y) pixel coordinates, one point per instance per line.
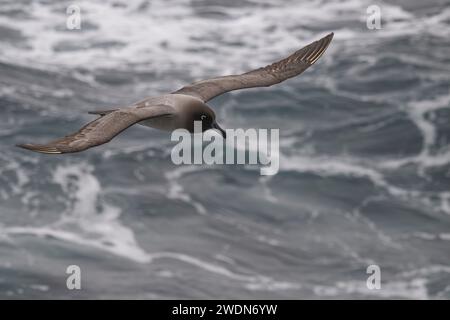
(318, 48)
(329, 36)
(39, 148)
(22, 145)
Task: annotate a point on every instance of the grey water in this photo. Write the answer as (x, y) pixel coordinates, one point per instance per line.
(364, 173)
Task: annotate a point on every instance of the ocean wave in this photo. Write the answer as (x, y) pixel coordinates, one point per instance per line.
(142, 32)
(83, 222)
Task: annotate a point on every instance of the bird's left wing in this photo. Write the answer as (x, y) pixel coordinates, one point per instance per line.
(101, 130)
(277, 72)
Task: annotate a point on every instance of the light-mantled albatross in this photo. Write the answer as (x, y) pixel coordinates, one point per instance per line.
(181, 108)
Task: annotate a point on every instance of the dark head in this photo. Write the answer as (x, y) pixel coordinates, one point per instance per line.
(206, 115)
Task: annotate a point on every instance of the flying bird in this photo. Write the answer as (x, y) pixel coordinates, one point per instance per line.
(181, 108)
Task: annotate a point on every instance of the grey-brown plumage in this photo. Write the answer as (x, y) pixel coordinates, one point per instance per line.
(181, 108)
(99, 131)
(272, 74)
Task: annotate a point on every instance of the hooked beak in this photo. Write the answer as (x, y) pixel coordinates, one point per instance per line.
(218, 128)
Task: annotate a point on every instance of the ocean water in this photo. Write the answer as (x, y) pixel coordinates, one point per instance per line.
(364, 153)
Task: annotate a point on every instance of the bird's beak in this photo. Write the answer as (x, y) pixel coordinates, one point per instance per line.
(218, 128)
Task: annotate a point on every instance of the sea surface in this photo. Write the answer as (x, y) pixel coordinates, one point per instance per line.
(364, 154)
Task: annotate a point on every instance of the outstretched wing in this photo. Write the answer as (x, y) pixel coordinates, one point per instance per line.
(262, 77)
(101, 130)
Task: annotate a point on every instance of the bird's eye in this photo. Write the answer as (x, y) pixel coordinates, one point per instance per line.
(202, 117)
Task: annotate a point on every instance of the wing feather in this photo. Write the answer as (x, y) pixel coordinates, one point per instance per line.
(272, 74)
(101, 130)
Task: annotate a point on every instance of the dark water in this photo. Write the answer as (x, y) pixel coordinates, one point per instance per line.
(364, 156)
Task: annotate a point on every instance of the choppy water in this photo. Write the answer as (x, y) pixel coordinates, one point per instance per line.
(365, 153)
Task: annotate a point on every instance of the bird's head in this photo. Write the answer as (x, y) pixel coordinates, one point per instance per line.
(206, 115)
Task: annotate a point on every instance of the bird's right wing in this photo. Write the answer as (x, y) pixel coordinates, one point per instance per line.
(277, 72)
(101, 130)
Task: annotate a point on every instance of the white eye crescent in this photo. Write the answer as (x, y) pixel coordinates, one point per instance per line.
(202, 117)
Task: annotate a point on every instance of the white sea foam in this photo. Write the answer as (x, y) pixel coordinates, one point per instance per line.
(427, 158)
(133, 32)
(146, 42)
(83, 222)
(413, 289)
(13, 176)
(176, 190)
(250, 281)
(366, 169)
(40, 287)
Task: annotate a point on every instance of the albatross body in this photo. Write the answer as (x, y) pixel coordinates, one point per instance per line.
(180, 109)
